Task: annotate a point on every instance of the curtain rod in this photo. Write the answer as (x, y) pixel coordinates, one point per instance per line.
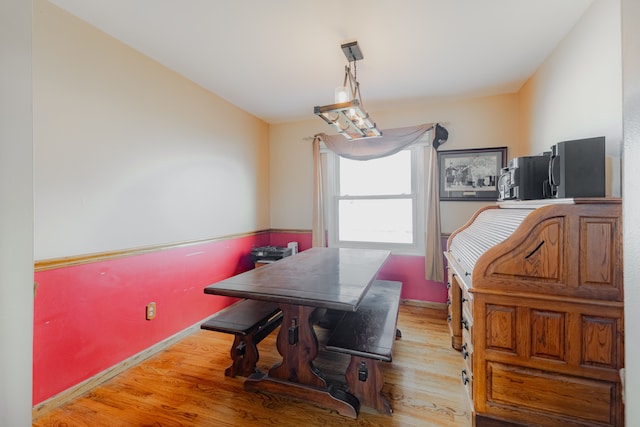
(311, 138)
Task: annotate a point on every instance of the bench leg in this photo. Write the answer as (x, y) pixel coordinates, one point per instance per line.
(365, 381)
(244, 354)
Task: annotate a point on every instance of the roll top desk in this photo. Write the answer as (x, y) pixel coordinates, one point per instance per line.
(536, 309)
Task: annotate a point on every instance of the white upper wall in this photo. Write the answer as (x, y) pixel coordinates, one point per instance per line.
(577, 92)
(129, 154)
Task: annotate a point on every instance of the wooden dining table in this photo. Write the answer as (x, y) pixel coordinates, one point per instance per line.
(318, 278)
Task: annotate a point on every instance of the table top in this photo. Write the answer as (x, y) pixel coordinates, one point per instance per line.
(335, 278)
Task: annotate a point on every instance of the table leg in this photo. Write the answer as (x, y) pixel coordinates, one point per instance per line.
(368, 390)
(295, 375)
(298, 345)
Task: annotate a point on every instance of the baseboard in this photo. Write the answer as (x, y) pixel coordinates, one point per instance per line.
(90, 383)
(437, 310)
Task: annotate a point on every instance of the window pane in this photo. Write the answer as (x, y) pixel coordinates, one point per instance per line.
(388, 221)
(388, 175)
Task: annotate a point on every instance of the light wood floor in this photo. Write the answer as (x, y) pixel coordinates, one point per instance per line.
(185, 386)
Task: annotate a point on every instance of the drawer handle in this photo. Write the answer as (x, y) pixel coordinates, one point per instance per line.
(448, 302)
(464, 299)
(465, 352)
(448, 318)
(465, 324)
(448, 285)
(465, 377)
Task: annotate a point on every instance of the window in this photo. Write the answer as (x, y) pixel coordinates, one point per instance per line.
(377, 203)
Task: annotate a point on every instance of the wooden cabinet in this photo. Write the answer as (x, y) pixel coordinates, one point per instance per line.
(541, 312)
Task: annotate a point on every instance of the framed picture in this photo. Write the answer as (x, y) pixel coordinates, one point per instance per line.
(471, 174)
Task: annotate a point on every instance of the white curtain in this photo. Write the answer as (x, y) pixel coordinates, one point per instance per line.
(391, 142)
(318, 232)
(433, 258)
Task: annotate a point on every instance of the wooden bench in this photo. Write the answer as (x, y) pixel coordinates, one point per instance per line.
(368, 336)
(250, 321)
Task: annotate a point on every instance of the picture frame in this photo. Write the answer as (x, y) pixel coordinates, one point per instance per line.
(471, 175)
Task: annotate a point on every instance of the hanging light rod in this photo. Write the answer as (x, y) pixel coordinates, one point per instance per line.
(352, 51)
(348, 115)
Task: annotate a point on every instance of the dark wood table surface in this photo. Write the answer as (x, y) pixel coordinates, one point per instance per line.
(329, 278)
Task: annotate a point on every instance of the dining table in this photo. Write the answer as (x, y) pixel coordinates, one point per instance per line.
(311, 281)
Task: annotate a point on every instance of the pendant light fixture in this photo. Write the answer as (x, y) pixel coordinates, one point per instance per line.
(347, 115)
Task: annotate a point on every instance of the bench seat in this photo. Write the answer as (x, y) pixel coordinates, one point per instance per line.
(250, 321)
(368, 335)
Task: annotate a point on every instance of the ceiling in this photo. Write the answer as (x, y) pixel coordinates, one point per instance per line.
(277, 59)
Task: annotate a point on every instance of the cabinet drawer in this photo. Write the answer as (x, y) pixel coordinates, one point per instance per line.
(467, 340)
(467, 381)
(467, 301)
(467, 356)
(582, 399)
(466, 324)
(454, 311)
(467, 352)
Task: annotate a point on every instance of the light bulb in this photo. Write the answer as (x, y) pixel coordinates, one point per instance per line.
(341, 95)
(331, 116)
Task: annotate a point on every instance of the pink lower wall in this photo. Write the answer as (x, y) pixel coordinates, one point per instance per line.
(410, 271)
(91, 317)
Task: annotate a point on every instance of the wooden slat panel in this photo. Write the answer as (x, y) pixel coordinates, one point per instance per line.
(599, 341)
(540, 257)
(597, 263)
(548, 334)
(501, 328)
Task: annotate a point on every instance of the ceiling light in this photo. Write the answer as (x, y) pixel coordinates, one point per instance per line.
(348, 115)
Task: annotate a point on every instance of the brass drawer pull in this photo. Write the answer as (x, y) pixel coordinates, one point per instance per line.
(465, 324)
(465, 377)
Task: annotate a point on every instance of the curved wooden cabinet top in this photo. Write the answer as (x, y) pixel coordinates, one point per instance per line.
(573, 250)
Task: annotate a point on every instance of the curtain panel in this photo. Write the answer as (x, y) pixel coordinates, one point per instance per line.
(318, 230)
(391, 142)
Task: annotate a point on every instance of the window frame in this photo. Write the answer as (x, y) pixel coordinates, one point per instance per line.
(418, 173)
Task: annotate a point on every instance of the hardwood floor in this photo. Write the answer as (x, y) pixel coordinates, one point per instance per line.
(185, 386)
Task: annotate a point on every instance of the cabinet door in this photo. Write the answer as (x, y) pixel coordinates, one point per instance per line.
(556, 359)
